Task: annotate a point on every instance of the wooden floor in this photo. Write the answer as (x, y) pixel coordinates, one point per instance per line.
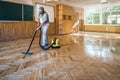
(82, 56)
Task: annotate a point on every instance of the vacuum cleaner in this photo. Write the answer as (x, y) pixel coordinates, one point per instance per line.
(54, 44)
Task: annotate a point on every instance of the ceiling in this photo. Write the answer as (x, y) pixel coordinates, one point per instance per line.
(83, 3)
(73, 3)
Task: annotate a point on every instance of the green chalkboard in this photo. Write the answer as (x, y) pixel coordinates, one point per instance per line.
(15, 12)
(10, 11)
(28, 13)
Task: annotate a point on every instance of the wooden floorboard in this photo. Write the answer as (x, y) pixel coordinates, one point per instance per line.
(82, 56)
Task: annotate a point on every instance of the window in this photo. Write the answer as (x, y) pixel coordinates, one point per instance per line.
(104, 15)
(89, 18)
(105, 18)
(96, 18)
(93, 16)
(115, 17)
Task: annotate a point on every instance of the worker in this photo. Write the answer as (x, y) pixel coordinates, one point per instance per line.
(43, 23)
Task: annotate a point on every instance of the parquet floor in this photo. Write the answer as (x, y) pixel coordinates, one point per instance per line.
(82, 56)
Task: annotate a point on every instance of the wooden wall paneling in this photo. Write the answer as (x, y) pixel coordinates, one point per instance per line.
(0, 32)
(14, 30)
(95, 28)
(82, 25)
(65, 24)
(115, 29)
(20, 30)
(102, 28)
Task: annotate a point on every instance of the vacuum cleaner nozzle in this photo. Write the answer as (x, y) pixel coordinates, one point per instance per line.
(27, 52)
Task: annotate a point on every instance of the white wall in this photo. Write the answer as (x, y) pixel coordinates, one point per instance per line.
(103, 5)
(49, 9)
(29, 2)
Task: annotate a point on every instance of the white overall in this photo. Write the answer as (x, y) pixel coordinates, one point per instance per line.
(44, 29)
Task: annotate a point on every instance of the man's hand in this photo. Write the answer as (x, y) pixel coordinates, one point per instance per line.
(38, 28)
(38, 24)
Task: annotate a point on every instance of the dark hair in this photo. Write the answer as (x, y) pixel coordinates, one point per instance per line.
(42, 8)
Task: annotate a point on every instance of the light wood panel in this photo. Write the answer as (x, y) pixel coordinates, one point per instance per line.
(52, 29)
(65, 25)
(114, 29)
(102, 28)
(20, 30)
(82, 25)
(95, 28)
(16, 30)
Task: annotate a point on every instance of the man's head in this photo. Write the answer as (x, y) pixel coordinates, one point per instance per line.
(41, 10)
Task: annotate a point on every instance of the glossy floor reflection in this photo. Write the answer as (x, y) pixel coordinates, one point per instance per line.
(106, 46)
(82, 56)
